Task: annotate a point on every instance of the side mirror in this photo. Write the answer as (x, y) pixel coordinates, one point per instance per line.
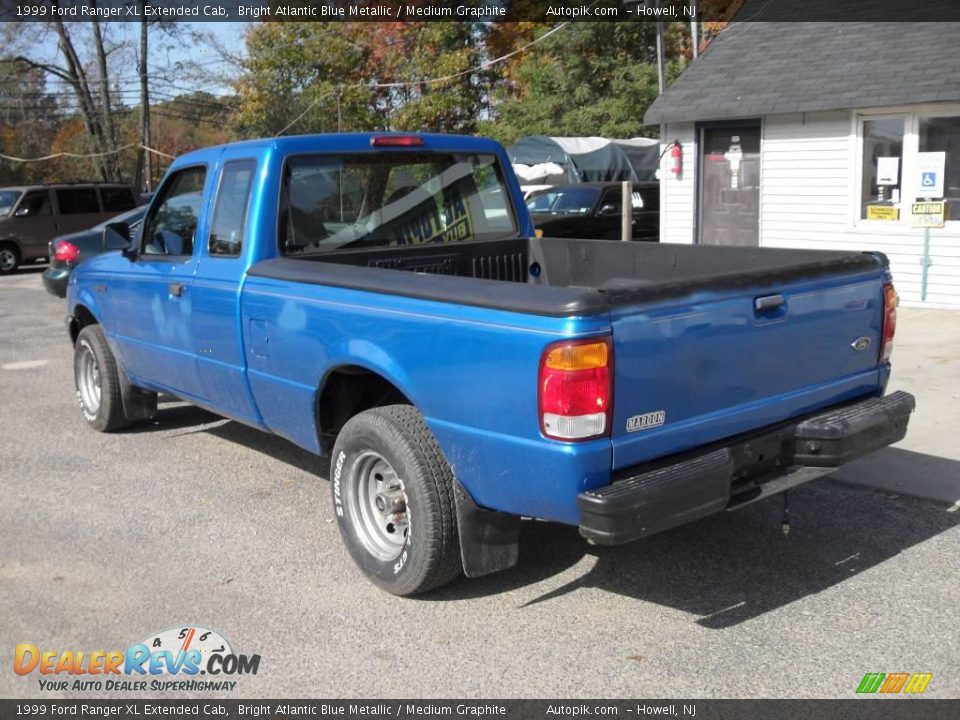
(608, 210)
(22, 211)
(116, 236)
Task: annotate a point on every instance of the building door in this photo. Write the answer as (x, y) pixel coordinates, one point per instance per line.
(729, 184)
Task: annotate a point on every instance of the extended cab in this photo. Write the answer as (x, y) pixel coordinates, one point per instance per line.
(382, 300)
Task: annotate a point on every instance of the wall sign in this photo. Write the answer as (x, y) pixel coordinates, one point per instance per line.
(930, 167)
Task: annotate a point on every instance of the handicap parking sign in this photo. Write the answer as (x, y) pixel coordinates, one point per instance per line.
(930, 167)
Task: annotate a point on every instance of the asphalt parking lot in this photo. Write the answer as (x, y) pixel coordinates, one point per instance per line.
(194, 519)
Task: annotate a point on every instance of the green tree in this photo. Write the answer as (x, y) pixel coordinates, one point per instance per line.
(308, 73)
(588, 79)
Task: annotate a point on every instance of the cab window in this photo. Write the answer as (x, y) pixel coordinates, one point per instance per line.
(35, 202)
(230, 211)
(172, 224)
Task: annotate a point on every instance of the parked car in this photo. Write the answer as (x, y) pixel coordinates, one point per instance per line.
(366, 297)
(593, 210)
(68, 251)
(31, 215)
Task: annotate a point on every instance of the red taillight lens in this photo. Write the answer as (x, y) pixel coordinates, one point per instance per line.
(575, 390)
(890, 302)
(66, 251)
(396, 141)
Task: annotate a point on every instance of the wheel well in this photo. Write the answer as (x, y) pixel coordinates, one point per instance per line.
(350, 390)
(81, 318)
(13, 244)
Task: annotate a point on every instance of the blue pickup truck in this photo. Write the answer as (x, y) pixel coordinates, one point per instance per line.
(382, 300)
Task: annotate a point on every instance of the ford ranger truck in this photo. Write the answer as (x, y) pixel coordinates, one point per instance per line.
(382, 300)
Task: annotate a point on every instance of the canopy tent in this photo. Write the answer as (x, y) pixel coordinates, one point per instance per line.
(543, 160)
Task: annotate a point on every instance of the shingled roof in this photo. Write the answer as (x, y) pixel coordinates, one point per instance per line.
(763, 68)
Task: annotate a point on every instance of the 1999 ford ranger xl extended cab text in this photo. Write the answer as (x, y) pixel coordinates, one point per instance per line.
(383, 300)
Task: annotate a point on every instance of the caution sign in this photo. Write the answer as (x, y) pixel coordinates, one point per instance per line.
(927, 215)
(882, 212)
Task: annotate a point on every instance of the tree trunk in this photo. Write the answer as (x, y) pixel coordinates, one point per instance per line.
(111, 162)
(76, 77)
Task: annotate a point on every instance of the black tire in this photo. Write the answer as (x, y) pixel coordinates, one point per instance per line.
(430, 552)
(107, 415)
(9, 258)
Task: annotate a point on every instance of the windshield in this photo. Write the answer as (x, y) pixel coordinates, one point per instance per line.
(8, 198)
(392, 199)
(568, 201)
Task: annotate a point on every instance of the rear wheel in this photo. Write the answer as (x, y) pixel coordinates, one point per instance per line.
(9, 258)
(393, 496)
(97, 381)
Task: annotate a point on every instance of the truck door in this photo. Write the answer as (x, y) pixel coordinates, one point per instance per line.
(152, 299)
(216, 291)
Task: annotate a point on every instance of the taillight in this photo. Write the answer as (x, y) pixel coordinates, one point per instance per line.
(66, 251)
(890, 302)
(575, 392)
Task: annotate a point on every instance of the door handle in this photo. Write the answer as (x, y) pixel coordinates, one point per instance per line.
(767, 303)
(176, 289)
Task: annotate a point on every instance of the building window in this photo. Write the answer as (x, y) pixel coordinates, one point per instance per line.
(882, 168)
(942, 134)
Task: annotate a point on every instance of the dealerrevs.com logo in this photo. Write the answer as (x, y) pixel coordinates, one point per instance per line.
(171, 660)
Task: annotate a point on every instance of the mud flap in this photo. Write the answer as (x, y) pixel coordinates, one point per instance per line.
(489, 540)
(138, 404)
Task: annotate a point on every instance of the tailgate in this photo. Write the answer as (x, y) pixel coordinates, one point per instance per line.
(714, 365)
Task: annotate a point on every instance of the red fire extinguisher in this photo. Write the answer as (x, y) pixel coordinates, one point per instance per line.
(676, 159)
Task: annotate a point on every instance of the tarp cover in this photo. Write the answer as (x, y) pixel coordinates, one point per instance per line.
(540, 159)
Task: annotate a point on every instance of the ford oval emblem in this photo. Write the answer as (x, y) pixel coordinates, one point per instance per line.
(861, 343)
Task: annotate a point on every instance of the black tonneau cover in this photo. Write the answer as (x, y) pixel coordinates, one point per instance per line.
(561, 277)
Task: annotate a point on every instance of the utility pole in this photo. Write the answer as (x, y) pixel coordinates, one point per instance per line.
(145, 138)
(661, 70)
(694, 30)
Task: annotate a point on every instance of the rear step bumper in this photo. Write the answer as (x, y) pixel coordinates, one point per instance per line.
(646, 499)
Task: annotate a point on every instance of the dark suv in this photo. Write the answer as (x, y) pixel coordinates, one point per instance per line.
(31, 215)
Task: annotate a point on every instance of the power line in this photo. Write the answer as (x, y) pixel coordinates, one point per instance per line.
(83, 156)
(430, 81)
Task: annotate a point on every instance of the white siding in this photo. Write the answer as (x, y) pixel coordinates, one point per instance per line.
(810, 198)
(677, 194)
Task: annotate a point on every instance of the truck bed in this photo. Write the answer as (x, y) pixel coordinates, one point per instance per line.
(562, 277)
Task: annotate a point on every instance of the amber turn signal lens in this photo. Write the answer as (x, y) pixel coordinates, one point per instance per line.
(577, 357)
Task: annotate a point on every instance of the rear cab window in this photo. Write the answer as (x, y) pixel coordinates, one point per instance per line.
(230, 210)
(330, 203)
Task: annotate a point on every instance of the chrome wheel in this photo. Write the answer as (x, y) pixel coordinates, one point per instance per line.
(377, 503)
(8, 260)
(88, 380)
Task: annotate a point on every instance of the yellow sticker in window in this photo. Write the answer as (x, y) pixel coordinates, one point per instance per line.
(882, 212)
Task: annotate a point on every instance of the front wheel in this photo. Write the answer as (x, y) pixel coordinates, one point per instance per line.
(393, 497)
(97, 381)
(9, 259)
